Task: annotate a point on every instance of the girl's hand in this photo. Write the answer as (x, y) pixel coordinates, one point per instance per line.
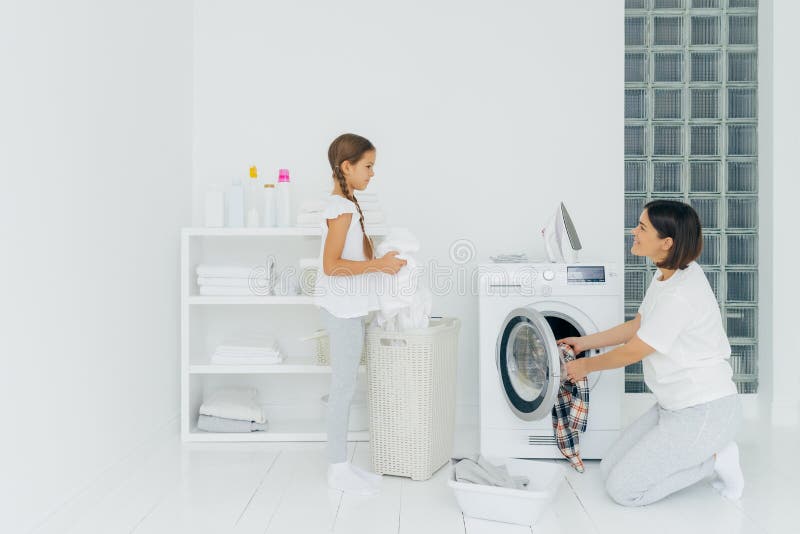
(389, 264)
(577, 344)
(577, 369)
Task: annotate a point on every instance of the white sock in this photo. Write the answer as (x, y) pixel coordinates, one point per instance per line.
(342, 477)
(727, 468)
(373, 478)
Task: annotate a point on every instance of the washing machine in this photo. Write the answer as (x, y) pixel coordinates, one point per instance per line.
(524, 308)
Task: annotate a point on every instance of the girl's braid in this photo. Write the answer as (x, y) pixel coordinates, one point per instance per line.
(339, 176)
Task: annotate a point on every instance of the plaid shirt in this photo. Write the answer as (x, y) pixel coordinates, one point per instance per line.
(570, 414)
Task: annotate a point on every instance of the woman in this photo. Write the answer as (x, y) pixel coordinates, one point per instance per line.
(688, 434)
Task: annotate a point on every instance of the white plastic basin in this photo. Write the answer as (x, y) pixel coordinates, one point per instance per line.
(521, 507)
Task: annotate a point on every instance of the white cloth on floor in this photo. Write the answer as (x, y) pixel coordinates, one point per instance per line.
(234, 403)
(405, 302)
(480, 471)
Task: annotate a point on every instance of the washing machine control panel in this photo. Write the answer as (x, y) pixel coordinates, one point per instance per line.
(550, 279)
(585, 274)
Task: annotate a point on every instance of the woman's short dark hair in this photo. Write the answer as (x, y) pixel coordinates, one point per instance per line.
(679, 221)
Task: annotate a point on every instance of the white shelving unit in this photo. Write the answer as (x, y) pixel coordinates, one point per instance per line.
(290, 391)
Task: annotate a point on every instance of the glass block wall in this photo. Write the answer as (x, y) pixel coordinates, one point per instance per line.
(691, 96)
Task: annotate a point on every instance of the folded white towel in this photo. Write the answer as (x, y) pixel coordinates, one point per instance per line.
(220, 424)
(371, 217)
(221, 359)
(232, 271)
(258, 282)
(214, 291)
(244, 351)
(309, 219)
(369, 204)
(241, 353)
(312, 206)
(245, 342)
(234, 403)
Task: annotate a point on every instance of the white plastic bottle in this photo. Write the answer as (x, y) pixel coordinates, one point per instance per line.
(283, 199)
(253, 197)
(236, 204)
(268, 219)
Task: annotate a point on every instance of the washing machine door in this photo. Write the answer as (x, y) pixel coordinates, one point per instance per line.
(528, 363)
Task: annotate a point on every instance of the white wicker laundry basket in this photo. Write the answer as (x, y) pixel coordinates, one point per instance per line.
(411, 396)
(323, 348)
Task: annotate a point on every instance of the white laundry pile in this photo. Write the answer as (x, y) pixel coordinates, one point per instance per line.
(249, 349)
(310, 212)
(232, 409)
(405, 301)
(235, 280)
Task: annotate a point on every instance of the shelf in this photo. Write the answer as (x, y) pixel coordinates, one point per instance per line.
(290, 231)
(267, 299)
(290, 366)
(298, 430)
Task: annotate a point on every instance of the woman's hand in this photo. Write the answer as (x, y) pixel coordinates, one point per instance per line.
(389, 264)
(577, 344)
(577, 369)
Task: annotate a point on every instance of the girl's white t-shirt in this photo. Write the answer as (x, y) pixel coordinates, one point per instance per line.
(681, 320)
(348, 295)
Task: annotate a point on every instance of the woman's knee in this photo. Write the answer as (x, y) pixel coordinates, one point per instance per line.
(619, 487)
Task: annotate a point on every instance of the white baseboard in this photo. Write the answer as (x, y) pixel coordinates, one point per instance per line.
(83, 499)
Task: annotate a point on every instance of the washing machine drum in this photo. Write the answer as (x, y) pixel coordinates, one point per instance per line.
(529, 363)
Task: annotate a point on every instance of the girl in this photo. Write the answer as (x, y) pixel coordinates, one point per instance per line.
(678, 333)
(343, 295)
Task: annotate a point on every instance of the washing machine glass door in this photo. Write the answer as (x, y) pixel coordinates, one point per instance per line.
(528, 363)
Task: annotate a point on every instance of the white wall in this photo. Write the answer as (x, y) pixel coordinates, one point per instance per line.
(785, 194)
(484, 115)
(95, 174)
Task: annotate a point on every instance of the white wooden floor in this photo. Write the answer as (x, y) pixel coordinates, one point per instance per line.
(279, 488)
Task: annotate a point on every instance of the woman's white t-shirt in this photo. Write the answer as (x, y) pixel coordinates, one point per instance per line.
(349, 295)
(682, 322)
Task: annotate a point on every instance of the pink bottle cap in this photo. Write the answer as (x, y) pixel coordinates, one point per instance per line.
(283, 175)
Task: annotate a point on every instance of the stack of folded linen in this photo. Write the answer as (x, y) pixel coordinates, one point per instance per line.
(247, 350)
(310, 214)
(232, 409)
(235, 280)
(371, 208)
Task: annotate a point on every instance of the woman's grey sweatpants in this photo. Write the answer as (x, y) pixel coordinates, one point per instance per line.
(664, 451)
(346, 342)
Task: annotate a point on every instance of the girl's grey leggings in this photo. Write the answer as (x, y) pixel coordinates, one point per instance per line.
(346, 342)
(664, 451)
